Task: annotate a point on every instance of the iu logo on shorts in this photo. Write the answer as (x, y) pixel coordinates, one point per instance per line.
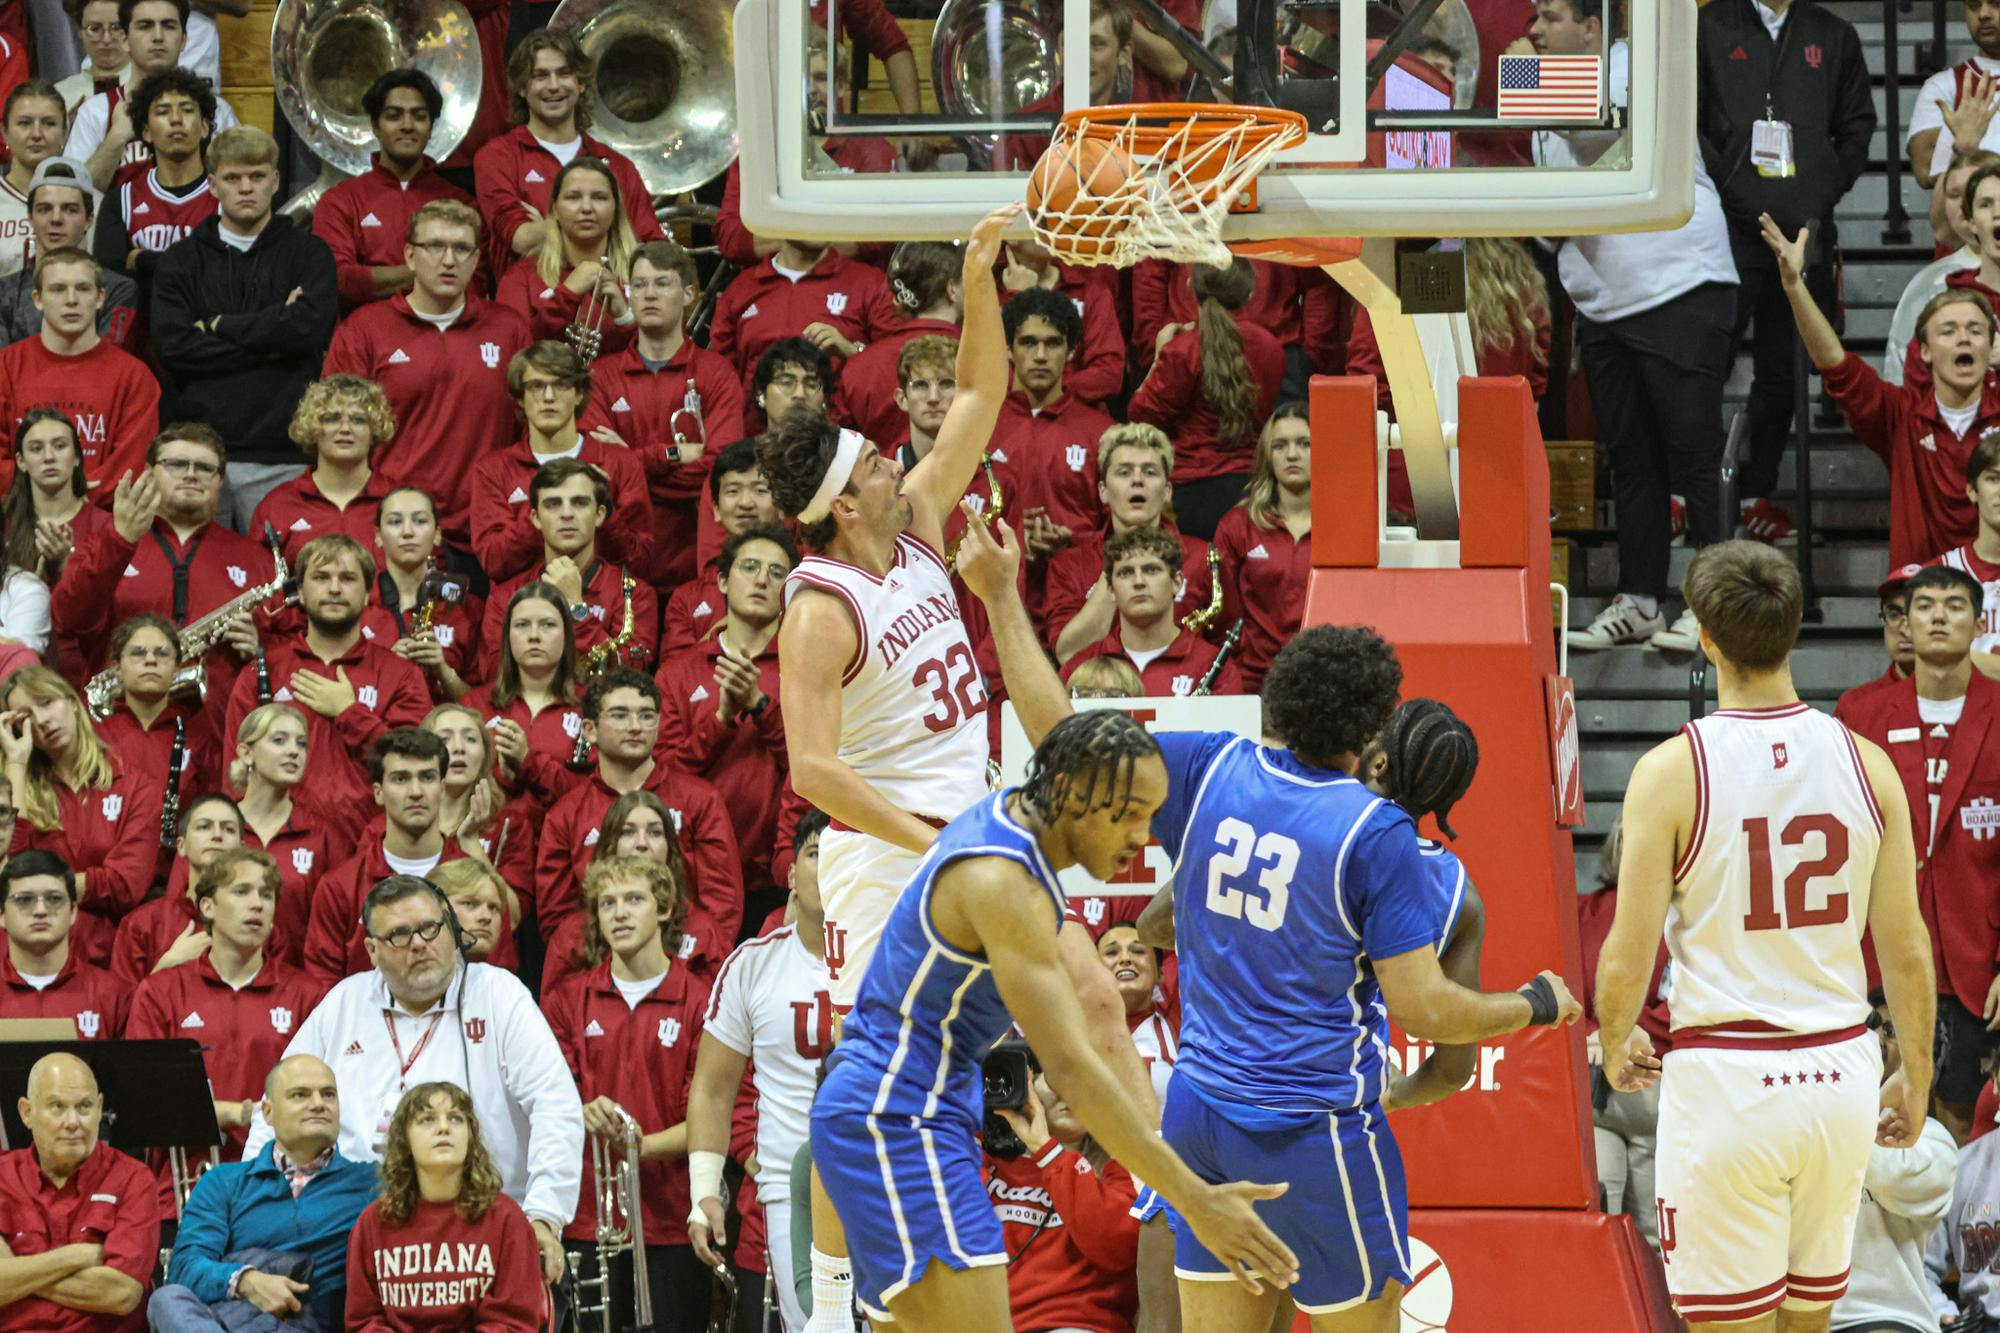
(1666, 1216)
(812, 1026)
(836, 950)
(1778, 756)
(475, 1030)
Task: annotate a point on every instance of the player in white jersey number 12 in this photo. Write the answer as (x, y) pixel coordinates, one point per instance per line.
(1764, 840)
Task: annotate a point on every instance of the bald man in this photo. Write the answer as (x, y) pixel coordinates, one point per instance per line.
(253, 1229)
(82, 1219)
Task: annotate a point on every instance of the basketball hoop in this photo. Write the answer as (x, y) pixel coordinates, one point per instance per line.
(1152, 180)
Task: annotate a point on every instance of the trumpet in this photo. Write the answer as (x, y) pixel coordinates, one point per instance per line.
(438, 588)
(995, 502)
(585, 333)
(690, 408)
(621, 1228)
(1197, 621)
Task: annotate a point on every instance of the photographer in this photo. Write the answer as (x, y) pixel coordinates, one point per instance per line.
(1065, 1207)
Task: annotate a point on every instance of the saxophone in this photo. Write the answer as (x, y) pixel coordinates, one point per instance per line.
(995, 502)
(1197, 621)
(603, 654)
(196, 639)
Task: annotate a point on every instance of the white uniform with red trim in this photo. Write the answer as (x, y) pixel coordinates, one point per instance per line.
(1988, 576)
(912, 725)
(1768, 1103)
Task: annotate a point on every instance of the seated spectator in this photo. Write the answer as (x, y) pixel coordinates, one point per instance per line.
(621, 717)
(59, 207)
(352, 691)
(46, 513)
(924, 291)
(443, 1242)
(804, 290)
(147, 724)
(1143, 567)
(550, 384)
(340, 424)
(365, 219)
(296, 1200)
(408, 770)
(423, 614)
(83, 1233)
(478, 899)
(531, 704)
(1953, 110)
(440, 353)
(669, 402)
(571, 287)
(1925, 437)
(513, 1071)
(719, 699)
(629, 1028)
(1265, 544)
(1980, 557)
(1105, 678)
(740, 500)
(241, 1003)
(637, 824)
(1211, 384)
(547, 78)
(77, 799)
(169, 930)
(1959, 244)
(68, 365)
(271, 749)
(615, 616)
(103, 133)
(1044, 447)
(1098, 374)
(769, 1015)
(44, 976)
(471, 808)
(104, 55)
(148, 210)
(243, 309)
(1134, 464)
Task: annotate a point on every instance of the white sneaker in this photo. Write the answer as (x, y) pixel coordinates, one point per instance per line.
(1621, 622)
(1683, 636)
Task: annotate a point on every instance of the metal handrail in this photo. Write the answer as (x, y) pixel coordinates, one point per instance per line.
(1802, 381)
(1896, 222)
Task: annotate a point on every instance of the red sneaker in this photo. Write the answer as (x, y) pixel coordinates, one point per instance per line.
(1677, 517)
(1765, 522)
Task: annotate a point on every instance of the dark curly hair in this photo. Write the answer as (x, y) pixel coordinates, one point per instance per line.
(1432, 757)
(478, 1186)
(1043, 303)
(1330, 691)
(794, 458)
(1086, 762)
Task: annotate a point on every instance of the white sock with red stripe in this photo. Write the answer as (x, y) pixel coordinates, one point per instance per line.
(832, 1293)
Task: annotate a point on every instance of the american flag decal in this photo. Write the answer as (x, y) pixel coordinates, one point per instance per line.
(1550, 87)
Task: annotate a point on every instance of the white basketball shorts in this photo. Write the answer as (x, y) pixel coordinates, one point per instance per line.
(860, 878)
(1761, 1153)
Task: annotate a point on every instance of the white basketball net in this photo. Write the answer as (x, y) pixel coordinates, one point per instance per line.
(1173, 202)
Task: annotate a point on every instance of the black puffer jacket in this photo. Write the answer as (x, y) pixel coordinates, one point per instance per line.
(244, 378)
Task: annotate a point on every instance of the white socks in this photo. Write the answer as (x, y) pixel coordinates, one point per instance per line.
(832, 1293)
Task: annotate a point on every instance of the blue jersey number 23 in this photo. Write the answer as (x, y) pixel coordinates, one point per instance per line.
(1276, 855)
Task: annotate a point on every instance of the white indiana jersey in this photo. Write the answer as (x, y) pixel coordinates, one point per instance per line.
(912, 702)
(1963, 557)
(1159, 1048)
(1771, 895)
(770, 1003)
(17, 239)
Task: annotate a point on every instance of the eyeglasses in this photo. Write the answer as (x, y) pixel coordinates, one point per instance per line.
(925, 388)
(1895, 615)
(545, 388)
(181, 467)
(796, 383)
(401, 936)
(443, 250)
(27, 902)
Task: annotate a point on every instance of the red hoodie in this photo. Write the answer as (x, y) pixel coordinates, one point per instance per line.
(1080, 1269)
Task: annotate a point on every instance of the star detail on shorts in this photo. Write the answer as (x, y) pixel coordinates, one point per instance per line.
(1786, 1079)
(1802, 1078)
(1818, 1077)
(1836, 1076)
(1769, 1081)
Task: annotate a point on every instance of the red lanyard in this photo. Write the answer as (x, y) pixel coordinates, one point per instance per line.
(403, 1073)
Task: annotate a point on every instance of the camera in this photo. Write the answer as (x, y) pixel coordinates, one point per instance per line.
(1007, 1074)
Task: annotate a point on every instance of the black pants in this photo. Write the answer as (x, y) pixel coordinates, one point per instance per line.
(1656, 386)
(680, 1287)
(1200, 505)
(1761, 307)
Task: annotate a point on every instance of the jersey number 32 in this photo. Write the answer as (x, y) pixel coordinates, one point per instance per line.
(1275, 856)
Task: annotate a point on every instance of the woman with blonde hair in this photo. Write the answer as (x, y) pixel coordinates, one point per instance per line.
(442, 1227)
(78, 800)
(339, 424)
(271, 749)
(637, 824)
(1267, 591)
(582, 262)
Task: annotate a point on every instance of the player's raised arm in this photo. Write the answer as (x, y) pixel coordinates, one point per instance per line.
(1903, 950)
(988, 567)
(1448, 1066)
(1659, 815)
(997, 903)
(935, 484)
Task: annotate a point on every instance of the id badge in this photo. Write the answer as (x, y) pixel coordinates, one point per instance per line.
(381, 1142)
(1771, 148)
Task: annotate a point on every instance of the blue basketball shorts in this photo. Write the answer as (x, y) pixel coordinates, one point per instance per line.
(907, 1190)
(1346, 1215)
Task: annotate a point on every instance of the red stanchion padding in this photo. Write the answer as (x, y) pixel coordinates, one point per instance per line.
(1519, 1136)
(1507, 1271)
(1347, 523)
(1502, 461)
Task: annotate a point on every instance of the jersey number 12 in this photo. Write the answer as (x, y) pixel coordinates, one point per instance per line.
(1278, 857)
(1763, 913)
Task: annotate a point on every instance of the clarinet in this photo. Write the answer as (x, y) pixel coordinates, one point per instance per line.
(170, 806)
(263, 678)
(1221, 656)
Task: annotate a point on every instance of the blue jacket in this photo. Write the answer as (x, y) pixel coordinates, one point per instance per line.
(241, 1205)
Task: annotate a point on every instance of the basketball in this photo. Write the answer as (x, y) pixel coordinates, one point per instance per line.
(1072, 197)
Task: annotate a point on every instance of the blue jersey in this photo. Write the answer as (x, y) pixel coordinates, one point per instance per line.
(927, 1014)
(1287, 881)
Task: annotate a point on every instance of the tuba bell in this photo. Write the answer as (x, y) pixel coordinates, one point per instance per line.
(326, 53)
(992, 59)
(665, 91)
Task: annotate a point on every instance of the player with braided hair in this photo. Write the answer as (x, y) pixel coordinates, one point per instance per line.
(969, 950)
(1287, 991)
(1423, 760)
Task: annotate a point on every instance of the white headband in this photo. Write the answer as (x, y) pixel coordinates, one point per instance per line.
(845, 456)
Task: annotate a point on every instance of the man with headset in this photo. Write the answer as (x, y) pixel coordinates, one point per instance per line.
(425, 1014)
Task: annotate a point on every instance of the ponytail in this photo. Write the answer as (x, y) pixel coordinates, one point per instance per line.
(1226, 379)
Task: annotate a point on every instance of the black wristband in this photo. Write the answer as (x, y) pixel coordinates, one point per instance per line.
(1541, 998)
